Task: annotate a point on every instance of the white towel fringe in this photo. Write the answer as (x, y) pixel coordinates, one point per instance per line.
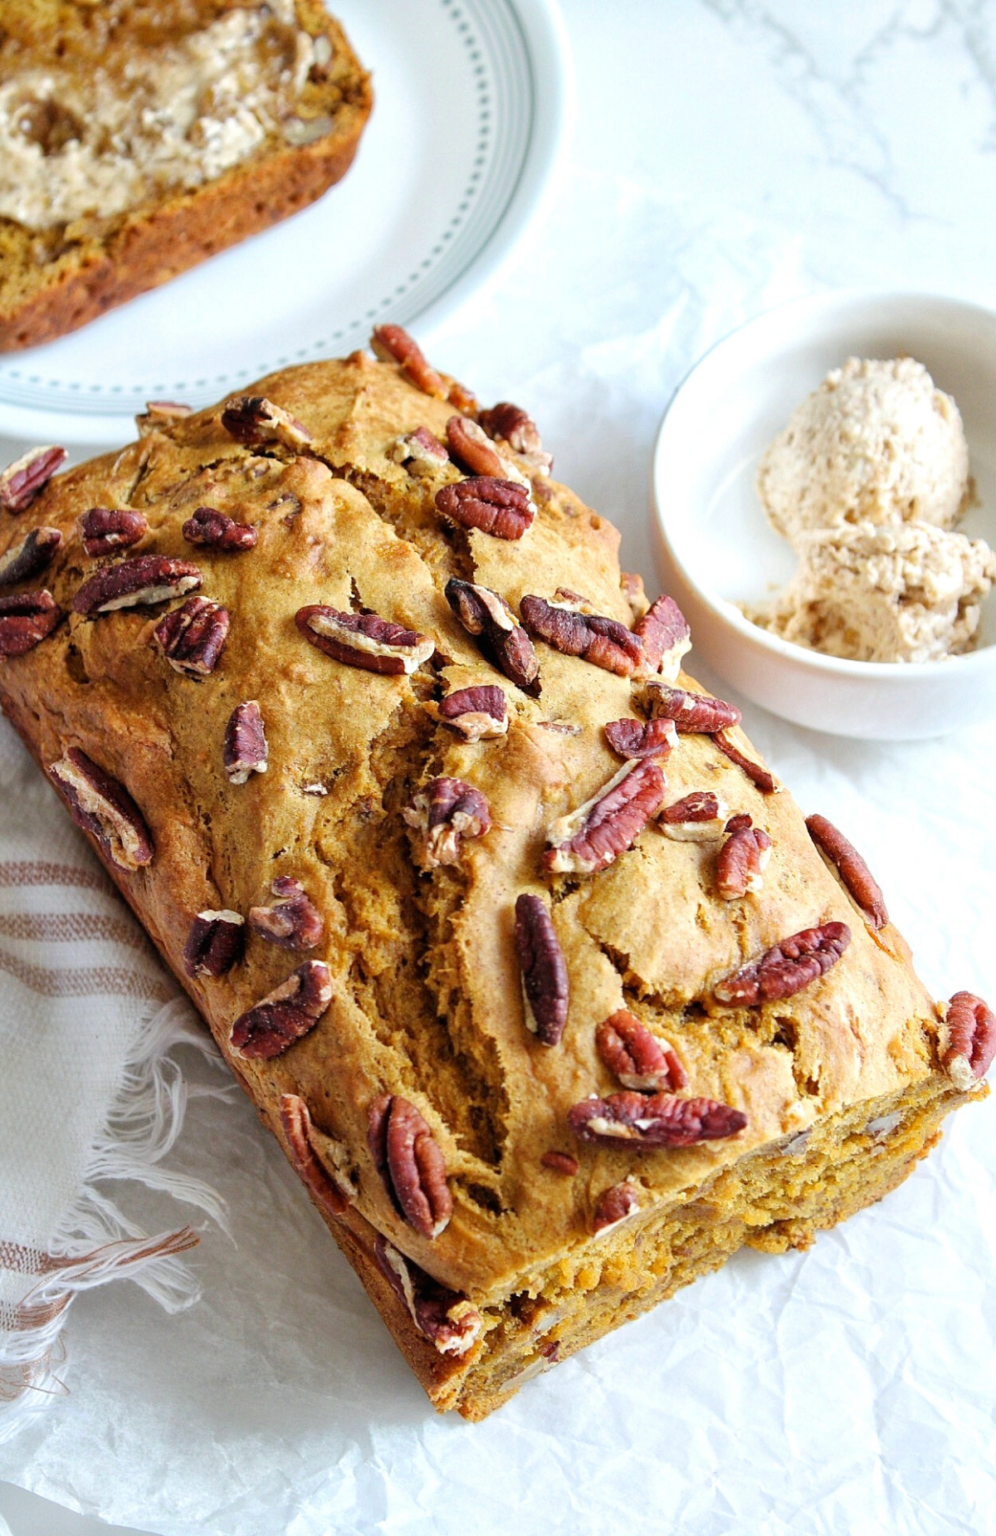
(96, 1242)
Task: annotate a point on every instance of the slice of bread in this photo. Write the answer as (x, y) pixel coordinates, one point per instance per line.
(141, 136)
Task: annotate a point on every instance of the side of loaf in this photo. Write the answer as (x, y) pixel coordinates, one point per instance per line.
(138, 138)
(550, 993)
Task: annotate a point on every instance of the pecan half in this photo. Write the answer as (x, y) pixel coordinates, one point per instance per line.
(971, 1040)
(410, 1163)
(25, 620)
(295, 1118)
(544, 970)
(29, 555)
(285, 1014)
(691, 712)
(613, 1206)
(364, 640)
(591, 837)
(655, 1120)
(105, 529)
(219, 531)
(143, 579)
(474, 452)
(444, 812)
(104, 808)
(392, 344)
(483, 613)
(696, 818)
(631, 738)
(516, 427)
(757, 774)
(23, 480)
(786, 968)
(252, 419)
(497, 506)
(419, 452)
(637, 1057)
(446, 1318)
(742, 860)
(245, 750)
(192, 637)
(604, 642)
(215, 942)
(560, 1162)
(854, 872)
(160, 414)
(476, 713)
(666, 638)
(292, 921)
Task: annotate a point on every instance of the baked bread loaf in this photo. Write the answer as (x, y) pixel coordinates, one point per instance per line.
(138, 137)
(546, 987)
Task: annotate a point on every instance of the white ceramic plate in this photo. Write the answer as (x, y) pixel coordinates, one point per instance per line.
(718, 550)
(472, 106)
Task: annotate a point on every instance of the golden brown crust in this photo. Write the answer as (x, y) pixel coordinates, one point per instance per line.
(147, 247)
(426, 993)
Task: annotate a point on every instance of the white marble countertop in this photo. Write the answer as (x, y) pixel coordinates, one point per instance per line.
(729, 154)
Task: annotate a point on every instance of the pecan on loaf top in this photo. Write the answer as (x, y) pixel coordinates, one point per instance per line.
(412, 852)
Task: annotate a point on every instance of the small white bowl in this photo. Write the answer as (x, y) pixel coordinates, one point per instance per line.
(717, 548)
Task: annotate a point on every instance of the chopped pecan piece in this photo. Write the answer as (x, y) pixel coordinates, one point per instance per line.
(444, 812)
(446, 1318)
(364, 640)
(23, 480)
(560, 1162)
(666, 638)
(143, 579)
(604, 642)
(631, 586)
(653, 1120)
(637, 1057)
(696, 818)
(500, 507)
(742, 859)
(472, 449)
(544, 969)
(631, 738)
(476, 712)
(215, 942)
(786, 968)
(853, 871)
(219, 531)
(29, 555)
(105, 529)
(161, 414)
(252, 419)
(613, 1206)
(295, 1118)
(392, 344)
(420, 452)
(104, 808)
(483, 613)
(25, 620)
(192, 637)
(285, 1014)
(292, 921)
(410, 1163)
(691, 712)
(755, 772)
(245, 749)
(591, 837)
(971, 1040)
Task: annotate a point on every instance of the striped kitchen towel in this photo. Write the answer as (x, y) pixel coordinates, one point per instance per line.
(89, 1090)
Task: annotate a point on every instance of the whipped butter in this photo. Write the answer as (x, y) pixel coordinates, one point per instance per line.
(75, 145)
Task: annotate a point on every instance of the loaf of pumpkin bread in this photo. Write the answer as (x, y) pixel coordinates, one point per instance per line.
(138, 137)
(548, 990)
